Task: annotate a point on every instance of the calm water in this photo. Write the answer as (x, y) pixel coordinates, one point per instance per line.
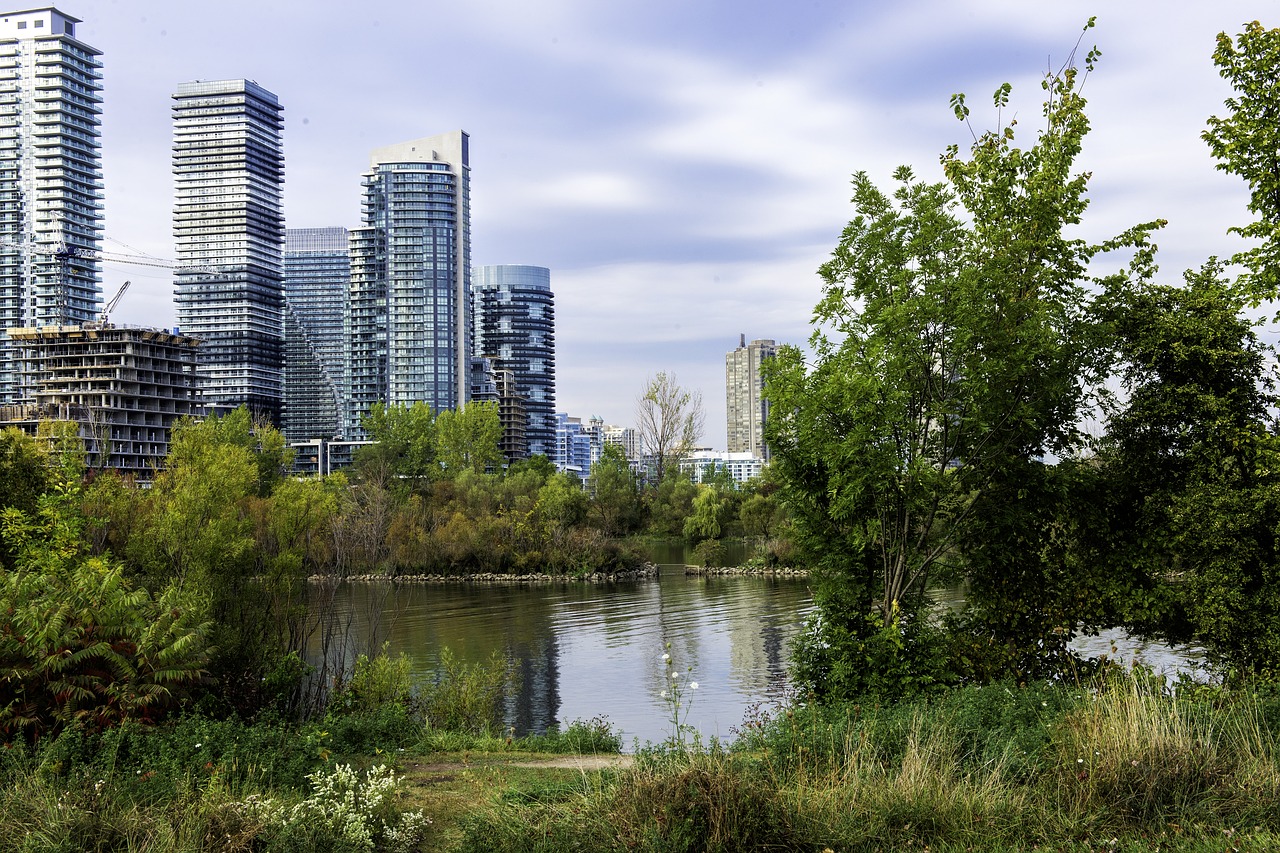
(587, 650)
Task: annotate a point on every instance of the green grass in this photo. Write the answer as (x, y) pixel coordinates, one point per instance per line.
(1126, 765)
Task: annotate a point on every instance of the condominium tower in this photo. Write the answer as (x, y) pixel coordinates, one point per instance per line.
(514, 325)
(745, 403)
(317, 273)
(50, 178)
(228, 165)
(407, 325)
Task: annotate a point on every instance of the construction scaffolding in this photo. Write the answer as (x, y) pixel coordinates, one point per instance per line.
(125, 386)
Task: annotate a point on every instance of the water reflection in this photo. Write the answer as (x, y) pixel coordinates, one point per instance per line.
(586, 650)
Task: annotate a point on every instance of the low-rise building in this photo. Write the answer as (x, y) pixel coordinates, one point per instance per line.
(741, 466)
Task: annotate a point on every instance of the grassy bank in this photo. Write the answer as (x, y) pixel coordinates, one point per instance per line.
(1125, 765)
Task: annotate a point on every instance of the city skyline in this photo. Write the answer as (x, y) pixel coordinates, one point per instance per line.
(682, 171)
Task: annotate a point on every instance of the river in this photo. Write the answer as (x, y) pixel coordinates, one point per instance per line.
(586, 650)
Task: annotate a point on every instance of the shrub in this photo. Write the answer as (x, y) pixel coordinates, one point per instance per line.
(468, 697)
(375, 683)
(359, 811)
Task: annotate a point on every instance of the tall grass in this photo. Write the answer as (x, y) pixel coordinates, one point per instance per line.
(1123, 764)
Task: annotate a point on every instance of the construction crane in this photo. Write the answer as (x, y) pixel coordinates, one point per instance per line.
(64, 254)
(108, 308)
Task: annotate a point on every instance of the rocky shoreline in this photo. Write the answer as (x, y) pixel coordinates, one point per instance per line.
(746, 572)
(645, 572)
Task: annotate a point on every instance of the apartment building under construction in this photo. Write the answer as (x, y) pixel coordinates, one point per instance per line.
(125, 386)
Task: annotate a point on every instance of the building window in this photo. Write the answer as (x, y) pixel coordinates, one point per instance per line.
(22, 25)
(39, 24)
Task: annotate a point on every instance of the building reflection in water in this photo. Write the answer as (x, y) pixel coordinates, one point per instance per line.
(585, 650)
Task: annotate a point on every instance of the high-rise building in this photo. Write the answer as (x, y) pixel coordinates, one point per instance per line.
(50, 178)
(499, 387)
(407, 324)
(745, 404)
(317, 273)
(228, 165)
(514, 325)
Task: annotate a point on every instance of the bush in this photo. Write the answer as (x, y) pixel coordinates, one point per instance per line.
(468, 697)
(376, 683)
(582, 737)
(361, 812)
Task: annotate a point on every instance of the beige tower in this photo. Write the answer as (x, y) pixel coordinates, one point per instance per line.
(745, 404)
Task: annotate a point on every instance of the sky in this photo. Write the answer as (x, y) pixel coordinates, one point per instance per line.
(681, 166)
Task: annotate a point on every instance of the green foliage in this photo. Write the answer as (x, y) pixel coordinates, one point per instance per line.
(711, 512)
(671, 503)
(1190, 469)
(23, 470)
(761, 515)
(596, 736)
(376, 682)
(709, 553)
(467, 439)
(562, 503)
(404, 441)
(846, 651)
(1245, 144)
(77, 642)
(467, 697)
(953, 355)
(615, 505)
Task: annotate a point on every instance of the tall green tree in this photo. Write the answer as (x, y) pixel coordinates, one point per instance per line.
(951, 361)
(1246, 142)
(404, 447)
(1191, 466)
(615, 502)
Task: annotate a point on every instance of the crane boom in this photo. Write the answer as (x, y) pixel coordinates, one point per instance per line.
(111, 306)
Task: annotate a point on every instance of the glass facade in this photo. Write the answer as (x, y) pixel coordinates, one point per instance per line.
(228, 226)
(317, 273)
(50, 179)
(406, 320)
(514, 326)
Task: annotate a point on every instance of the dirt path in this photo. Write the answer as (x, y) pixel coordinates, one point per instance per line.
(583, 763)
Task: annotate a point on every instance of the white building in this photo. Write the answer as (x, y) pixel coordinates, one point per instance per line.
(626, 438)
(50, 178)
(228, 223)
(741, 466)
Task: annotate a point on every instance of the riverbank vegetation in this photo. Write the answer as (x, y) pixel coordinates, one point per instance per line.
(967, 334)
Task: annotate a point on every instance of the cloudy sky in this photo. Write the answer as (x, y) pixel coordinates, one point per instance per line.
(682, 166)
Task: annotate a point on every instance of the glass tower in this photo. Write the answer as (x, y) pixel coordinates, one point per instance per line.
(228, 165)
(317, 273)
(514, 326)
(406, 321)
(50, 179)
